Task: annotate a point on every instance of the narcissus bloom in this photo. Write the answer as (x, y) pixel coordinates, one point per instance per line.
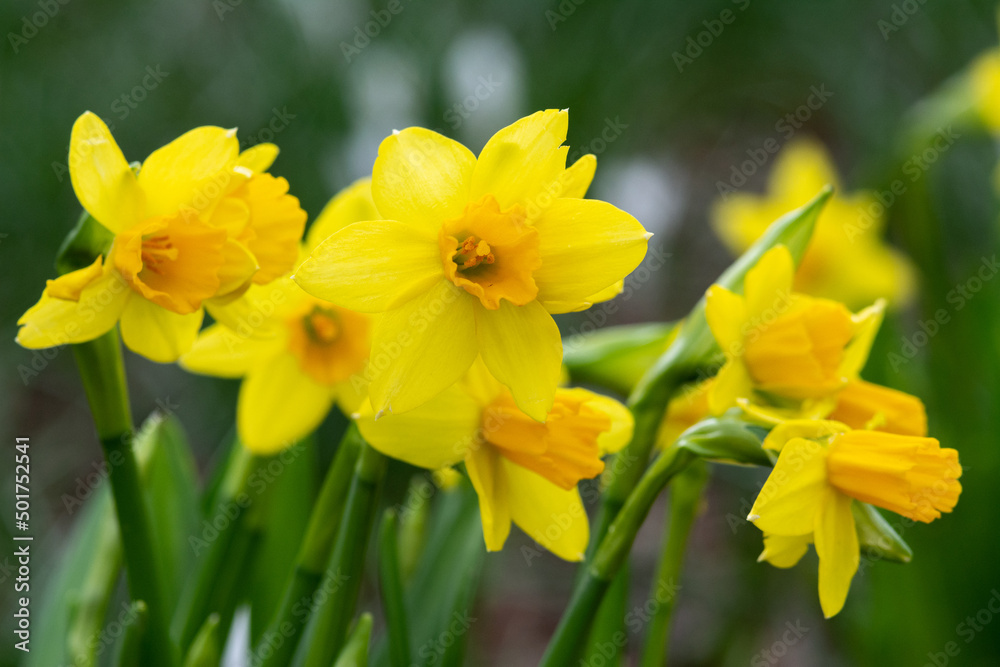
(984, 79)
(472, 256)
(847, 259)
(783, 348)
(524, 471)
(822, 468)
(298, 355)
(196, 226)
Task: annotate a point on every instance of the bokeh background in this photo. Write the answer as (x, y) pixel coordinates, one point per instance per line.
(297, 72)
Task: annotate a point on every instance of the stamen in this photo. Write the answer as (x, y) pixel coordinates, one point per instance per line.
(475, 252)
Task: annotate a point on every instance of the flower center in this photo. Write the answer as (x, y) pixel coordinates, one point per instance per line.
(491, 253)
(322, 325)
(170, 261)
(330, 343)
(156, 250)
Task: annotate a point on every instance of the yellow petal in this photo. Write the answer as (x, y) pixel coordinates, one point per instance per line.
(102, 179)
(524, 160)
(815, 429)
(803, 168)
(354, 204)
(867, 323)
(586, 246)
(784, 551)
(54, 321)
(279, 404)
(837, 547)
(522, 348)
(421, 178)
(193, 170)
(258, 158)
(726, 315)
(276, 223)
(446, 424)
(422, 348)
(238, 268)
(157, 333)
(731, 384)
(768, 285)
(553, 517)
(794, 493)
(221, 352)
(371, 267)
(488, 476)
(259, 312)
(577, 177)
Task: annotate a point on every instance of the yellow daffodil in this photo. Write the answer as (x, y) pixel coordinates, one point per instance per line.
(471, 256)
(822, 468)
(298, 355)
(197, 225)
(865, 405)
(847, 259)
(984, 77)
(524, 471)
(783, 349)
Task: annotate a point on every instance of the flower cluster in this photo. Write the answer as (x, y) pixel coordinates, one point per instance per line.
(462, 260)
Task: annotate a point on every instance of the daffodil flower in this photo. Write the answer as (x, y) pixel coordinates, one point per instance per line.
(524, 471)
(822, 468)
(847, 259)
(784, 349)
(297, 355)
(472, 256)
(196, 226)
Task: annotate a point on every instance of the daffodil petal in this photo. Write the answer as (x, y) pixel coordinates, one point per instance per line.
(552, 516)
(522, 348)
(193, 170)
(726, 314)
(837, 547)
(784, 551)
(422, 348)
(102, 179)
(794, 492)
(586, 246)
(488, 476)
(373, 266)
(577, 177)
(221, 352)
(731, 384)
(354, 204)
(53, 321)
(867, 324)
(422, 178)
(768, 285)
(446, 424)
(523, 160)
(157, 333)
(238, 268)
(279, 404)
(258, 158)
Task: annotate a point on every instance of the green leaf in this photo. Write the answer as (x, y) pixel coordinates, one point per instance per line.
(171, 486)
(355, 651)
(391, 591)
(282, 526)
(130, 649)
(616, 357)
(206, 649)
(879, 541)
(727, 438)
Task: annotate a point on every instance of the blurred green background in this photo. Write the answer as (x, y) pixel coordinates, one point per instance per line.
(299, 73)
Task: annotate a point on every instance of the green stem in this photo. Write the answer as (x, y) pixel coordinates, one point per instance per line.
(313, 554)
(685, 499)
(609, 558)
(103, 373)
(391, 589)
(342, 581)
